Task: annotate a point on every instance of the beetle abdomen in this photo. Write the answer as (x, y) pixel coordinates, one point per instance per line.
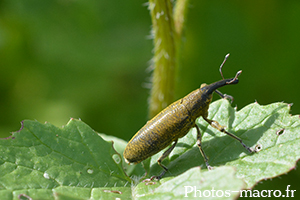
(169, 125)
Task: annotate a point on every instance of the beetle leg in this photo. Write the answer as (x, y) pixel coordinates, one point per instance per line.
(165, 154)
(199, 144)
(217, 126)
(224, 96)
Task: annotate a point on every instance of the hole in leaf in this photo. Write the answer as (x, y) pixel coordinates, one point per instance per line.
(258, 147)
(116, 158)
(24, 196)
(280, 132)
(113, 191)
(150, 183)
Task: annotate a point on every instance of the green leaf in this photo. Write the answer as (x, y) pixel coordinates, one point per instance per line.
(119, 145)
(257, 126)
(43, 162)
(187, 184)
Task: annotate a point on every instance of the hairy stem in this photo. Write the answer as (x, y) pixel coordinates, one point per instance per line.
(167, 28)
(164, 61)
(180, 12)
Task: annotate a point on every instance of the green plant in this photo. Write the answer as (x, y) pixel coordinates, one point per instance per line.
(42, 161)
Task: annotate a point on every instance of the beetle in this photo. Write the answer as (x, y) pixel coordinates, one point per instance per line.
(175, 121)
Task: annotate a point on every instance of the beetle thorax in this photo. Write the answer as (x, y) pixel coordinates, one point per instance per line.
(197, 102)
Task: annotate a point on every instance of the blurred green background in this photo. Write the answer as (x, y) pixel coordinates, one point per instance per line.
(89, 60)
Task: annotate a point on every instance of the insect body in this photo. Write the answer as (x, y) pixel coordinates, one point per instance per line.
(174, 122)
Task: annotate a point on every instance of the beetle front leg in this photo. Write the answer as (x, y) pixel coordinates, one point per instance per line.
(224, 96)
(217, 126)
(199, 144)
(161, 158)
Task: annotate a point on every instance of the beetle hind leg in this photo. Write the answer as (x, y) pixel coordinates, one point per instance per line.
(217, 126)
(199, 144)
(161, 158)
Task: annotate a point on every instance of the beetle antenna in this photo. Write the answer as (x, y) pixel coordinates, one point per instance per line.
(227, 55)
(236, 76)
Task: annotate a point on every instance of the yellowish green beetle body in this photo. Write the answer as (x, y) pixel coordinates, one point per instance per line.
(167, 126)
(174, 122)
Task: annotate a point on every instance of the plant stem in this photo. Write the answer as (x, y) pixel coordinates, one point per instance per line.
(163, 78)
(180, 13)
(167, 35)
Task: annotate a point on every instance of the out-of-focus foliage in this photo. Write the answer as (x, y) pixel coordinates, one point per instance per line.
(81, 59)
(62, 59)
(88, 59)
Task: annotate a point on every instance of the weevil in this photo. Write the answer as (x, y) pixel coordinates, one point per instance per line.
(175, 121)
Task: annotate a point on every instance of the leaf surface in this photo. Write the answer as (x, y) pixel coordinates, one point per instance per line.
(193, 183)
(42, 161)
(269, 127)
